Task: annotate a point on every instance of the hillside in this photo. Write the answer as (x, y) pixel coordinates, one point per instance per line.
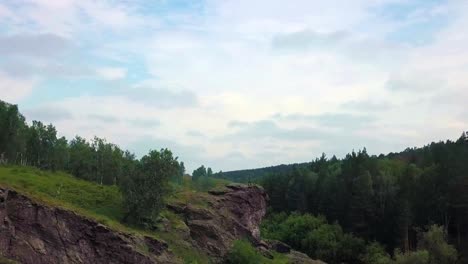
(51, 210)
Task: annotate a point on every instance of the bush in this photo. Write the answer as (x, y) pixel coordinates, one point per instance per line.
(243, 252)
(376, 254)
(415, 257)
(314, 236)
(440, 252)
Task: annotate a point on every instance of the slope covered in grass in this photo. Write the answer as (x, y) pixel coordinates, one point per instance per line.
(101, 203)
(104, 203)
(66, 191)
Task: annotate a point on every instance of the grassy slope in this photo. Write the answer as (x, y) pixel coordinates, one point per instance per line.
(101, 203)
(104, 203)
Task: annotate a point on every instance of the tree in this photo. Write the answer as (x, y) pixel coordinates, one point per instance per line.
(200, 172)
(144, 192)
(434, 241)
(60, 154)
(179, 177)
(81, 159)
(209, 172)
(12, 133)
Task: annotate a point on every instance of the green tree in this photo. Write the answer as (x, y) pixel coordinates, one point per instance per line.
(60, 154)
(434, 241)
(144, 192)
(200, 172)
(82, 160)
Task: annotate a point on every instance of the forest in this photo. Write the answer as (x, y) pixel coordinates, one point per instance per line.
(388, 199)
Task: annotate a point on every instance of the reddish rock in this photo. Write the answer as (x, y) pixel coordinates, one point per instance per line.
(233, 213)
(35, 233)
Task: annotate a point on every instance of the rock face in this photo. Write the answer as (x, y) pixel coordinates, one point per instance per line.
(232, 213)
(39, 234)
(35, 233)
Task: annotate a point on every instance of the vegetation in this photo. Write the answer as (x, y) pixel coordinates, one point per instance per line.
(102, 203)
(145, 190)
(243, 252)
(395, 208)
(314, 236)
(144, 183)
(320, 240)
(387, 199)
(63, 190)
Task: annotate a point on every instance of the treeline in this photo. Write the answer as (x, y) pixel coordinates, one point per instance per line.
(388, 199)
(253, 175)
(144, 182)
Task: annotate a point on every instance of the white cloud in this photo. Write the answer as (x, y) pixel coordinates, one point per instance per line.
(112, 73)
(13, 90)
(248, 60)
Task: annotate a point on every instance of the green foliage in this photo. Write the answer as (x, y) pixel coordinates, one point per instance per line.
(434, 242)
(383, 198)
(414, 257)
(376, 254)
(144, 192)
(101, 203)
(242, 252)
(201, 173)
(198, 173)
(314, 236)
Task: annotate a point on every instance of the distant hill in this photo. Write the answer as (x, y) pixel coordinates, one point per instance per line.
(254, 175)
(411, 155)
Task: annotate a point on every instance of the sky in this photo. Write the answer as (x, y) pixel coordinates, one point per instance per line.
(243, 83)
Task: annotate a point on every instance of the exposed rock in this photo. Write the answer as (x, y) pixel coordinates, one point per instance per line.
(234, 212)
(35, 233)
(278, 246)
(296, 257)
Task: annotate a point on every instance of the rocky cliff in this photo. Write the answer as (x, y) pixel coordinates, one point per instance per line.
(32, 232)
(229, 214)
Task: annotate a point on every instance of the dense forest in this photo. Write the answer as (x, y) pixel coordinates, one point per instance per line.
(391, 199)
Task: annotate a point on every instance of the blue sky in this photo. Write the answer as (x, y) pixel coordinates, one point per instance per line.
(240, 84)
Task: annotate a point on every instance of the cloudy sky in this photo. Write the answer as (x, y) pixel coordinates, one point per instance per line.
(242, 83)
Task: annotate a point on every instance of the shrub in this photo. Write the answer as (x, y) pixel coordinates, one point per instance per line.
(376, 254)
(434, 241)
(415, 257)
(242, 252)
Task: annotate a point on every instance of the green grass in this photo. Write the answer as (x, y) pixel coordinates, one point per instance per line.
(104, 204)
